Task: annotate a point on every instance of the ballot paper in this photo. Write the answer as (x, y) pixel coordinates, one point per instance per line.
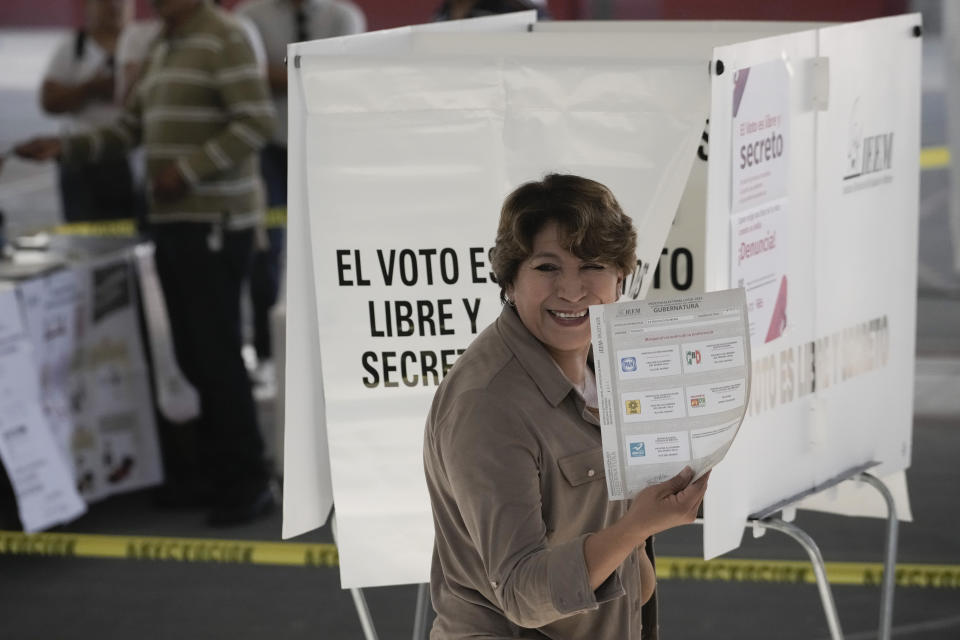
(673, 380)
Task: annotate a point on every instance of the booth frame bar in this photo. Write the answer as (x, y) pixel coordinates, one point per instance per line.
(764, 520)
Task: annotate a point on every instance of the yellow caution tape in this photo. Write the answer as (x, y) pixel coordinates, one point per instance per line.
(840, 573)
(75, 545)
(276, 217)
(934, 158)
(126, 227)
(118, 228)
(296, 554)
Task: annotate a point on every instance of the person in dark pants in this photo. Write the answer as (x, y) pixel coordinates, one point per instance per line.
(202, 292)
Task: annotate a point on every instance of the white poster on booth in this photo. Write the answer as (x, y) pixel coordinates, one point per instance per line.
(760, 147)
(409, 161)
(760, 140)
(758, 266)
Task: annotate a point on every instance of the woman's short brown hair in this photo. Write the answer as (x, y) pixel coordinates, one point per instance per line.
(593, 226)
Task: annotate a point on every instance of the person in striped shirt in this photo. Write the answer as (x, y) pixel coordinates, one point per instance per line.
(202, 111)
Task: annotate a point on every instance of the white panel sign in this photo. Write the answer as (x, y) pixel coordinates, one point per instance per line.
(834, 391)
(308, 490)
(409, 160)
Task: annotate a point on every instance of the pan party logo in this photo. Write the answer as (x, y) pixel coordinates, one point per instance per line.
(633, 407)
(628, 365)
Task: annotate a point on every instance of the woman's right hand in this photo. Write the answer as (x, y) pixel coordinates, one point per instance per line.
(655, 509)
(666, 505)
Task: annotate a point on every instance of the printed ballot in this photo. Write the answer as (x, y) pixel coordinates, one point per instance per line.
(673, 379)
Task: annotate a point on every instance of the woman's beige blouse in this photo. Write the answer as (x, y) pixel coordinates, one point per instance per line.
(515, 473)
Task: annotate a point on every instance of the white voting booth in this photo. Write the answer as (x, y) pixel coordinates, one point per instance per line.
(403, 144)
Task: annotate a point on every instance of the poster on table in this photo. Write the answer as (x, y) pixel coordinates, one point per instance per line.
(49, 307)
(114, 445)
(834, 390)
(82, 335)
(38, 468)
(409, 159)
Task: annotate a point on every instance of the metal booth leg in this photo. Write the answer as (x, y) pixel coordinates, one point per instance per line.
(359, 601)
(826, 596)
(364, 614)
(420, 616)
(890, 559)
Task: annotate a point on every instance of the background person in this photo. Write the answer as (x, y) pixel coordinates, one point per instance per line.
(202, 111)
(79, 84)
(133, 48)
(281, 22)
(527, 544)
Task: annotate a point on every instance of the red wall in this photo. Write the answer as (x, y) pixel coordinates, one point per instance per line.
(809, 10)
(382, 14)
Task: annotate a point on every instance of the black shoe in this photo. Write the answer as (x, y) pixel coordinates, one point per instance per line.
(226, 515)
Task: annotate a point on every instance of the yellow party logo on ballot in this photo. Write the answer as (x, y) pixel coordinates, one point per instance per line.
(633, 407)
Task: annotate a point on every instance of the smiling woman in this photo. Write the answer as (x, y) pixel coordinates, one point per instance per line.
(563, 245)
(527, 543)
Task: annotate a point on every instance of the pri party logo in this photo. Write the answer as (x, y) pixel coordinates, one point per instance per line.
(628, 365)
(693, 357)
(638, 450)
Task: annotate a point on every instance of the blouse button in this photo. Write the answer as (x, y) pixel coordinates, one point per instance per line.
(591, 473)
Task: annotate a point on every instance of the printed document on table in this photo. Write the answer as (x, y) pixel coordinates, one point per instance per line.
(39, 471)
(673, 380)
